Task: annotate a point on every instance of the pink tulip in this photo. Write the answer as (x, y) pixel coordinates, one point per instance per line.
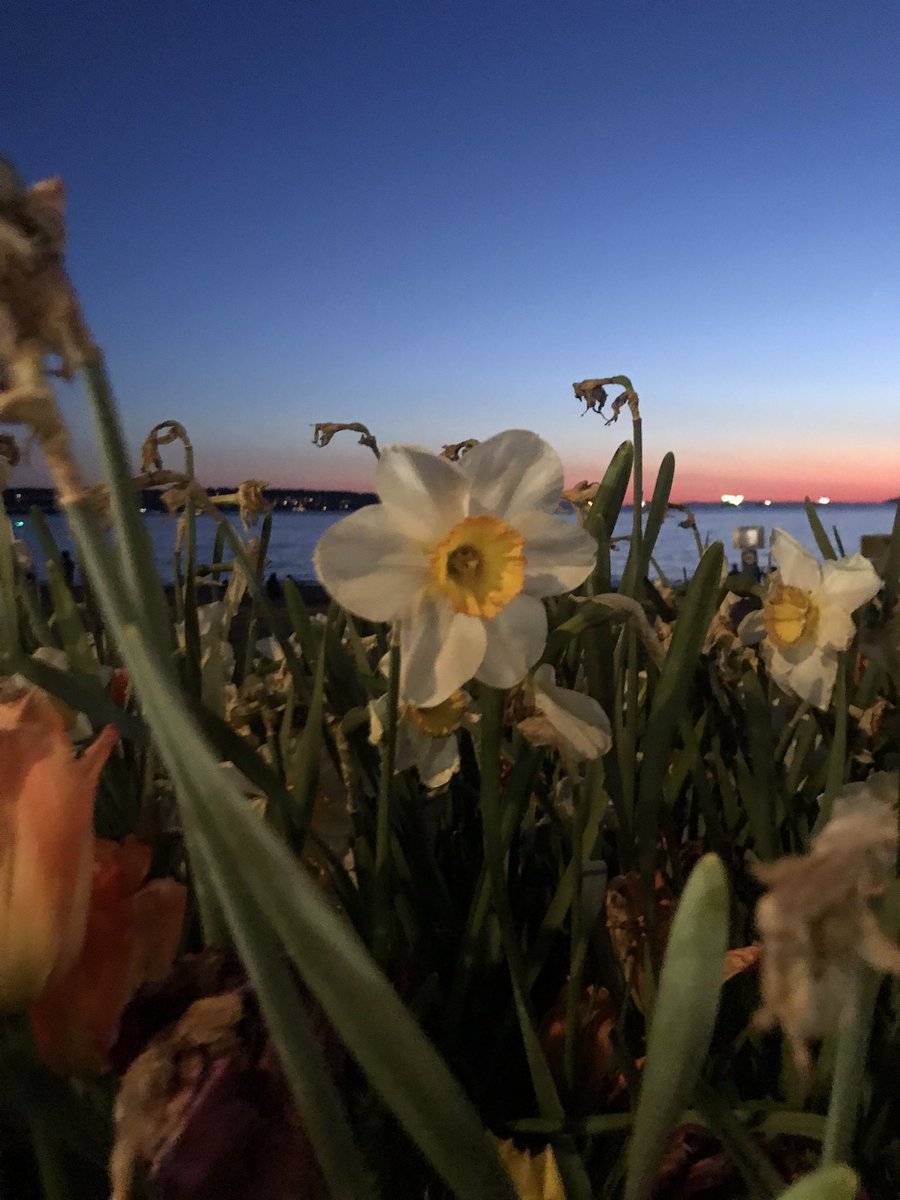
(46, 845)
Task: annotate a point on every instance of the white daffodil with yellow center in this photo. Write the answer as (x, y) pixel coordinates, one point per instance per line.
(460, 556)
(806, 619)
(426, 737)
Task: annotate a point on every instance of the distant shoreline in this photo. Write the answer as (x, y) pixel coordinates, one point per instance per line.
(21, 500)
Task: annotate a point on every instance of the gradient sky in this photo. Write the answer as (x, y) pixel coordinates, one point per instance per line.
(432, 217)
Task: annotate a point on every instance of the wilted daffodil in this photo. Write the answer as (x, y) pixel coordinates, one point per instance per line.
(460, 556)
(46, 845)
(572, 722)
(806, 619)
(817, 921)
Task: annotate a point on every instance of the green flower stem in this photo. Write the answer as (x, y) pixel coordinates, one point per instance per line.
(136, 562)
(849, 1071)
(518, 791)
(381, 926)
(631, 583)
(571, 1168)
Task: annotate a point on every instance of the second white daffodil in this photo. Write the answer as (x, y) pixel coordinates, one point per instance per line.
(460, 556)
(806, 619)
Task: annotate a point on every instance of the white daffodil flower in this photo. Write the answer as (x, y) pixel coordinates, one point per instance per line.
(806, 620)
(572, 722)
(426, 737)
(460, 556)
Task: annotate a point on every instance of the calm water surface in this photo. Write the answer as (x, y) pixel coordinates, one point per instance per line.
(294, 535)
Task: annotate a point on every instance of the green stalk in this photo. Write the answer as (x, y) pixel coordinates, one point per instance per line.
(849, 1071)
(570, 1166)
(382, 921)
(139, 575)
(631, 581)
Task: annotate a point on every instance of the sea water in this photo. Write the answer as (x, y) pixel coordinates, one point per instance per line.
(295, 534)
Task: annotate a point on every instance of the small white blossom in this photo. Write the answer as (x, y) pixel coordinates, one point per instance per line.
(806, 620)
(460, 555)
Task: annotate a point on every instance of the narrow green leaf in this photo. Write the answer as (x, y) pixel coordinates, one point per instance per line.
(656, 514)
(607, 504)
(83, 693)
(137, 563)
(670, 697)
(69, 623)
(683, 1019)
(320, 1107)
(304, 771)
(822, 540)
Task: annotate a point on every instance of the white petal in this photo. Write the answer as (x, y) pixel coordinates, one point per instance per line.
(515, 641)
(369, 567)
(752, 629)
(513, 472)
(408, 747)
(778, 666)
(813, 678)
(424, 494)
(835, 629)
(544, 676)
(580, 719)
(440, 650)
(849, 583)
(438, 761)
(559, 554)
(797, 567)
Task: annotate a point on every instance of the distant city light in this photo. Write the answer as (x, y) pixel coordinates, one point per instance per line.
(767, 503)
(823, 500)
(735, 500)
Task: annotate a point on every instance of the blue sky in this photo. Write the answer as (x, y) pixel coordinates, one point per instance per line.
(433, 217)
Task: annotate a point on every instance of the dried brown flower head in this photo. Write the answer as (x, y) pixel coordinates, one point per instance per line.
(252, 502)
(162, 434)
(455, 450)
(324, 431)
(39, 310)
(592, 392)
(817, 923)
